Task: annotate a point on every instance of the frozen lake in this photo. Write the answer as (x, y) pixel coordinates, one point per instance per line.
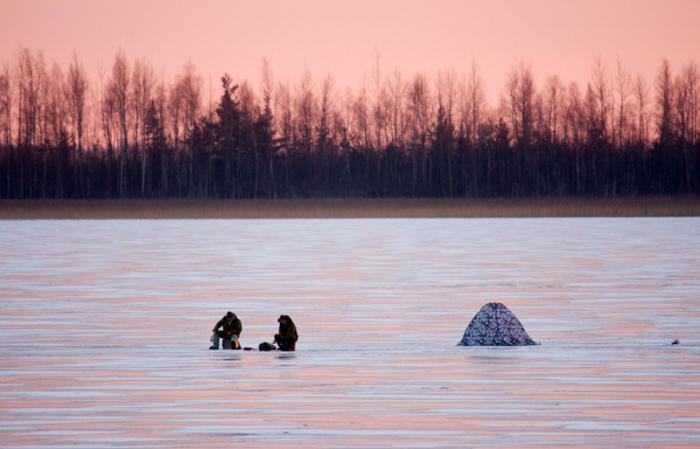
(104, 329)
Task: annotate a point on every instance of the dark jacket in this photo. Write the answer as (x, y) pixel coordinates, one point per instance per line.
(287, 337)
(229, 329)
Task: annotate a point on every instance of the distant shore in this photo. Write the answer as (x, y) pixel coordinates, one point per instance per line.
(351, 208)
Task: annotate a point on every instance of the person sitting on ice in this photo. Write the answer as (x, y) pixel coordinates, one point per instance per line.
(287, 336)
(230, 332)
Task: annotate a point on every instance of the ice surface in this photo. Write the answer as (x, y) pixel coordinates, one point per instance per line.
(104, 329)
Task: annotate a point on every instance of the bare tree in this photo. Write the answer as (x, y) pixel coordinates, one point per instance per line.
(28, 97)
(419, 106)
(76, 92)
(521, 96)
(686, 102)
(420, 117)
(691, 83)
(476, 101)
(446, 91)
(266, 123)
(284, 116)
(377, 111)
(601, 97)
(664, 103)
(396, 89)
(686, 114)
(324, 142)
(641, 99)
(45, 91)
(326, 101)
(305, 106)
(574, 116)
(553, 103)
(118, 91)
(593, 125)
(284, 112)
(118, 87)
(161, 105)
(175, 113)
(623, 89)
(107, 117)
(361, 120)
(6, 104)
(191, 90)
(142, 85)
(55, 105)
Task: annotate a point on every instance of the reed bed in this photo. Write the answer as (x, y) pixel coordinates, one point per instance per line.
(351, 208)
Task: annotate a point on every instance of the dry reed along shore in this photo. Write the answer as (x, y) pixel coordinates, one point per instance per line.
(351, 208)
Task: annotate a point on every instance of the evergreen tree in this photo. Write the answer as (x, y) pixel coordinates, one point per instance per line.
(228, 137)
(264, 139)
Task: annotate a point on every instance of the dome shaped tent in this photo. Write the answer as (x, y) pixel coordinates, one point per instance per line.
(495, 325)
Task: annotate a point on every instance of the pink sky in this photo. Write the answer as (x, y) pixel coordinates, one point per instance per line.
(560, 37)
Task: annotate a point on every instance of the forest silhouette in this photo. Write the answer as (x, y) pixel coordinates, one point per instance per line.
(132, 135)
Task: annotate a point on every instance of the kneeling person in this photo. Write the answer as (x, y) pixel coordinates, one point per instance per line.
(231, 329)
(287, 337)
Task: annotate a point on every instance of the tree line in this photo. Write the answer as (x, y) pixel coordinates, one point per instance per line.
(130, 134)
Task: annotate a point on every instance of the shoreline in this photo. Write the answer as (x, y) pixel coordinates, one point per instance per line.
(652, 206)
